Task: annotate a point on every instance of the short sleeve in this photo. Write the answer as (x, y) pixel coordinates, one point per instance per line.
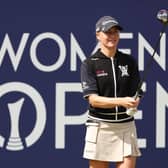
(88, 79)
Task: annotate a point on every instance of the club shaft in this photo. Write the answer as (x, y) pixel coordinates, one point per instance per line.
(150, 62)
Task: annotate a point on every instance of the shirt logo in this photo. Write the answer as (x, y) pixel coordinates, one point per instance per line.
(100, 73)
(85, 85)
(124, 70)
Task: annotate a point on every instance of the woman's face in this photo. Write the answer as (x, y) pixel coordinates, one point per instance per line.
(109, 39)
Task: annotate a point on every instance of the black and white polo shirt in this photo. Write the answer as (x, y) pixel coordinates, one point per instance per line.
(109, 77)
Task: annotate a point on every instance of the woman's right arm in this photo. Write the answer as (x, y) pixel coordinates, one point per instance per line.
(110, 102)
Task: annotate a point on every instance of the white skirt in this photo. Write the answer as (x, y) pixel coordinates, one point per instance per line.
(111, 141)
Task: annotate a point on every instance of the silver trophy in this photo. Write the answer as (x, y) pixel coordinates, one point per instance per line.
(14, 143)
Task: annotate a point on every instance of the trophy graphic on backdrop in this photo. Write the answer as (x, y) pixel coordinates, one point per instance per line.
(14, 142)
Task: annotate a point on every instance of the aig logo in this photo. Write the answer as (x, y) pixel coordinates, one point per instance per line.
(15, 142)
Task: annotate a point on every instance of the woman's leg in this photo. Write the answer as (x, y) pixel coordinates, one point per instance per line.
(129, 162)
(98, 164)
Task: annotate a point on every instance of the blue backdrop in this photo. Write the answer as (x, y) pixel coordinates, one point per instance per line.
(42, 111)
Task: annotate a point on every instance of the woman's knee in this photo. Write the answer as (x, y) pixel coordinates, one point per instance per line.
(128, 162)
(98, 164)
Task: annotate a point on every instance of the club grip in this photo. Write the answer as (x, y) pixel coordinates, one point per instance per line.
(131, 111)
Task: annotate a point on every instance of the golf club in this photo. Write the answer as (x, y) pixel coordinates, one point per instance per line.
(162, 16)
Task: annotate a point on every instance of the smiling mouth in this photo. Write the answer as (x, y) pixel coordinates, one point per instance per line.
(112, 41)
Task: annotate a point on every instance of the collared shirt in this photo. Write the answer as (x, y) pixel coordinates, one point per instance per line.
(110, 77)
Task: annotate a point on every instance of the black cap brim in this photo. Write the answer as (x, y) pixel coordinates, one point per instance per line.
(110, 25)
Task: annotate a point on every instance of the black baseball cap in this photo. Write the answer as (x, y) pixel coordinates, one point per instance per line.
(107, 22)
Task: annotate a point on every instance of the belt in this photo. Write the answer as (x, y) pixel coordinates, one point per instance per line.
(111, 117)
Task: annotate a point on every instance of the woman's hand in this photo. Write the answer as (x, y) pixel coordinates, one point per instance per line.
(129, 102)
